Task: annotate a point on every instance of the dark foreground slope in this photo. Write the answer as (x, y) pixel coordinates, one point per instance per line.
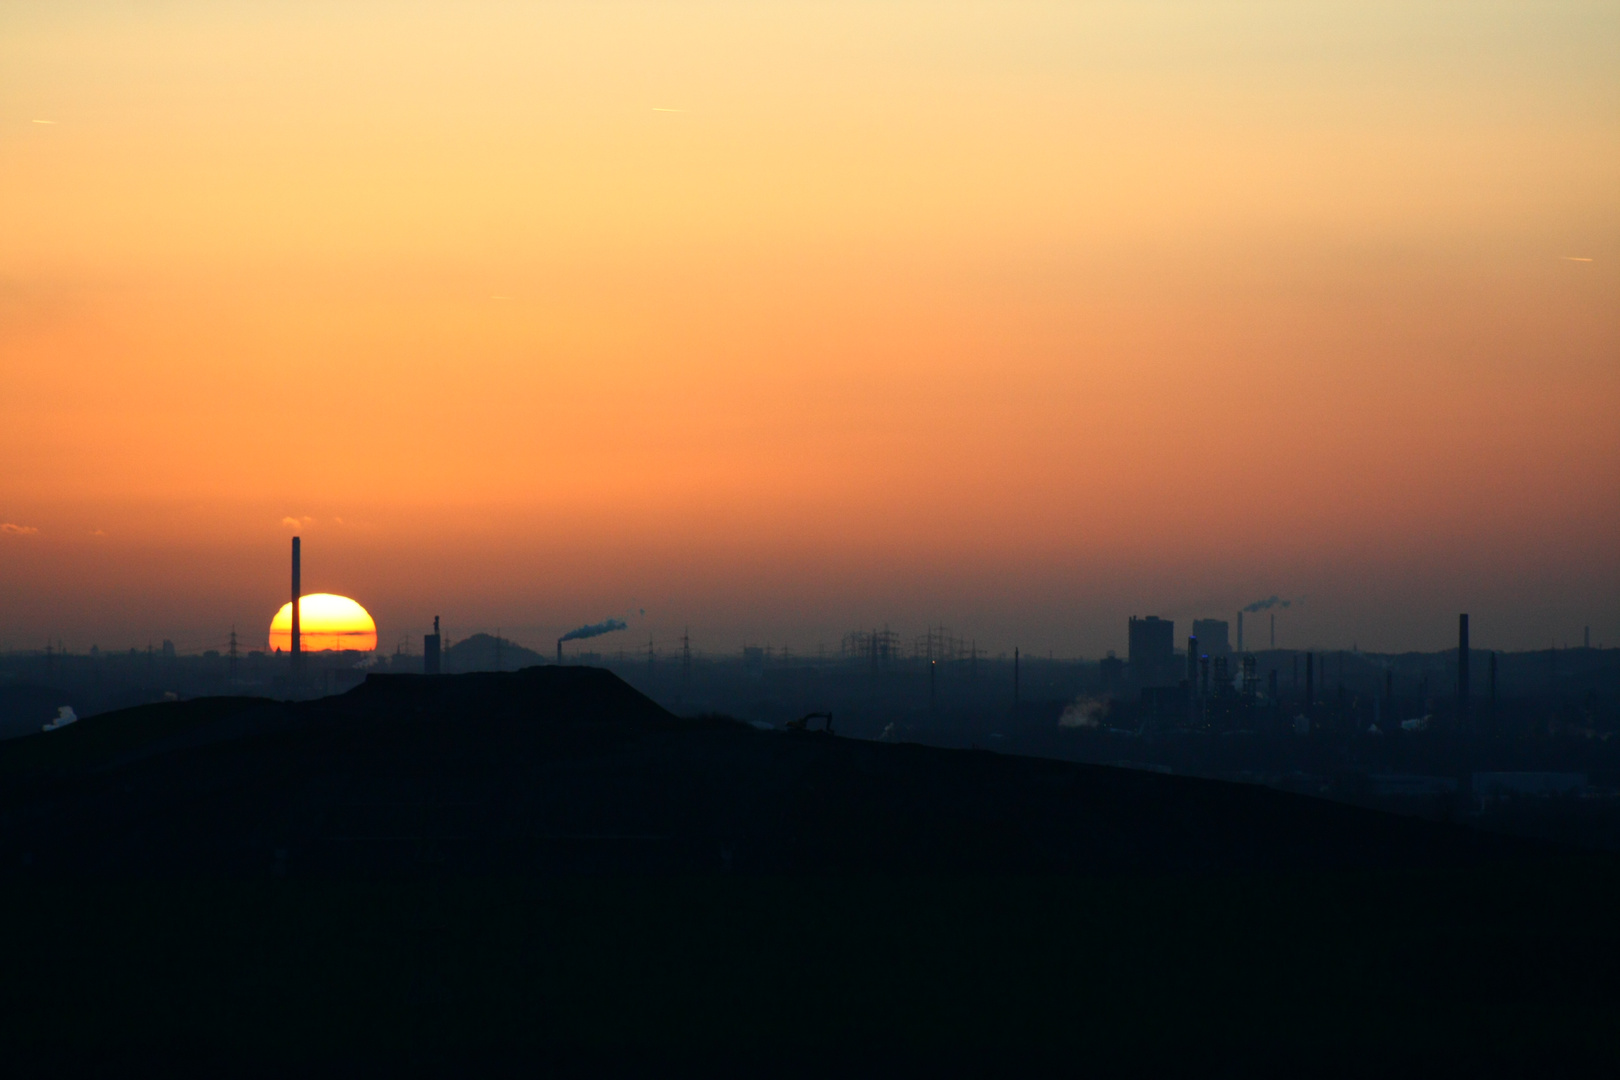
(547, 866)
(569, 770)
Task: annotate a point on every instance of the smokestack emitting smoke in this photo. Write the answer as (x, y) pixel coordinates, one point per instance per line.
(606, 626)
(1266, 604)
(297, 593)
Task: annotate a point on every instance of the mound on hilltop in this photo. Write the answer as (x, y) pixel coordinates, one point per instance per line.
(485, 652)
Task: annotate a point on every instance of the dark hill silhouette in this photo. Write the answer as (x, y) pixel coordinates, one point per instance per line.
(569, 770)
(462, 873)
(25, 708)
(485, 652)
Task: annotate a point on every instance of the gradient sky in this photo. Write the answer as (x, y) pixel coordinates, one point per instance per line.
(782, 319)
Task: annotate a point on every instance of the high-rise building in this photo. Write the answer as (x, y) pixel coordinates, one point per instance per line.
(1152, 655)
(1212, 636)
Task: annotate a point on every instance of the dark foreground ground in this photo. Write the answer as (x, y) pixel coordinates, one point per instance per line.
(544, 868)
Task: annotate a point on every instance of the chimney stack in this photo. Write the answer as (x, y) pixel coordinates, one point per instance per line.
(430, 650)
(1240, 631)
(297, 602)
(559, 650)
(1462, 668)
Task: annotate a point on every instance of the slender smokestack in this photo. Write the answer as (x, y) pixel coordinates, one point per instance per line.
(430, 650)
(297, 601)
(1192, 678)
(559, 650)
(1240, 631)
(1462, 668)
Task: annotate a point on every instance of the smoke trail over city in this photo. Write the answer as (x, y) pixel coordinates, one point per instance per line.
(1266, 604)
(606, 626)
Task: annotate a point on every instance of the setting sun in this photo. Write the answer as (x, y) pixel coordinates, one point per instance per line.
(328, 623)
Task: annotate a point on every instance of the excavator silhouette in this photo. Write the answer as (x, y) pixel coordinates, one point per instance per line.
(803, 722)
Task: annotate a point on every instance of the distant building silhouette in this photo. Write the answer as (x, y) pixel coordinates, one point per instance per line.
(1212, 636)
(1152, 650)
(1111, 670)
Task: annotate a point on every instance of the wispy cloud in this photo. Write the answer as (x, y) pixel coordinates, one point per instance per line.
(1575, 258)
(44, 121)
(297, 522)
(8, 529)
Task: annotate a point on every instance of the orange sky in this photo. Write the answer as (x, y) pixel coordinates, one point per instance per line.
(780, 319)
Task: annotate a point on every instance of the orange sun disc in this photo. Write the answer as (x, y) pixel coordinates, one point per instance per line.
(326, 622)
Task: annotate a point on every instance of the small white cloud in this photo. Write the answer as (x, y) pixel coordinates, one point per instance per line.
(44, 121)
(1575, 258)
(8, 529)
(297, 522)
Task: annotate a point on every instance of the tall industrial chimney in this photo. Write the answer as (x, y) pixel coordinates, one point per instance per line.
(297, 602)
(1240, 631)
(1462, 668)
(430, 650)
(559, 650)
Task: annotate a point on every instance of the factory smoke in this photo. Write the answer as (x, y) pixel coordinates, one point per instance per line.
(1086, 711)
(606, 626)
(1267, 603)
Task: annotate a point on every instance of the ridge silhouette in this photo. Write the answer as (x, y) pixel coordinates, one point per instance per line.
(569, 770)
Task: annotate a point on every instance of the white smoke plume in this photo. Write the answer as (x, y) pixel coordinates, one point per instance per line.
(1085, 712)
